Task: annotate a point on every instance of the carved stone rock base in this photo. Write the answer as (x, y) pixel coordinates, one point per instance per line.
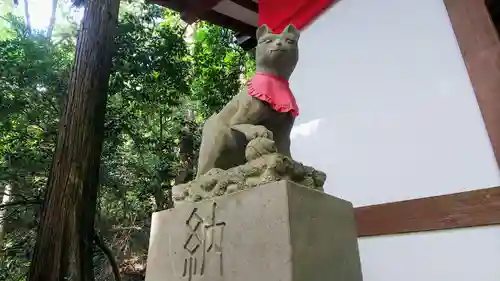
(278, 231)
(264, 169)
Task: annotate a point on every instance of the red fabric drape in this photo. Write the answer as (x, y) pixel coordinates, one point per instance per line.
(277, 14)
(273, 90)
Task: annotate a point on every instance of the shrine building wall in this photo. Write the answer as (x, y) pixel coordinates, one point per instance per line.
(388, 111)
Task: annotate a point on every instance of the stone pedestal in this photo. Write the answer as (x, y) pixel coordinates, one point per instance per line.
(276, 232)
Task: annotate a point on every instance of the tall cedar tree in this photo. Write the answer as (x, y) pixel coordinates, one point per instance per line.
(64, 241)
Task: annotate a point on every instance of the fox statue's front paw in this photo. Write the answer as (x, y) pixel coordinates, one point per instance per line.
(260, 131)
(258, 147)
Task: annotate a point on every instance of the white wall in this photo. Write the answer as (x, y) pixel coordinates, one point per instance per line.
(453, 255)
(384, 87)
(388, 112)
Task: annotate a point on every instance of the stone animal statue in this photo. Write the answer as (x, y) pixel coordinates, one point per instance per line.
(265, 109)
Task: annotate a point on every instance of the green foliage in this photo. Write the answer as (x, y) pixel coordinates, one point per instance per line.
(218, 65)
(157, 79)
(148, 86)
(32, 79)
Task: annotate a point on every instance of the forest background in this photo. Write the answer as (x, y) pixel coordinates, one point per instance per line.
(167, 77)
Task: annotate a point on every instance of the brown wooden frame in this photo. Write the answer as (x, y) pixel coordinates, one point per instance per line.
(466, 209)
(480, 46)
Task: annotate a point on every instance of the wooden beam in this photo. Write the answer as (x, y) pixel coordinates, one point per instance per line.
(215, 18)
(191, 10)
(174, 5)
(479, 43)
(249, 44)
(248, 4)
(196, 8)
(228, 22)
(466, 209)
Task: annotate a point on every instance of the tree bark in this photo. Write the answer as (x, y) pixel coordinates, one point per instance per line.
(27, 16)
(52, 21)
(64, 241)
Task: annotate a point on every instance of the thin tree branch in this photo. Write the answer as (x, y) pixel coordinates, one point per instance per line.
(6, 19)
(109, 255)
(21, 203)
(126, 228)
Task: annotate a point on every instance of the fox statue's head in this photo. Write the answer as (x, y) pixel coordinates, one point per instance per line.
(277, 53)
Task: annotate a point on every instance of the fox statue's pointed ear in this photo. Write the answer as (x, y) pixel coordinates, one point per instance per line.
(291, 29)
(263, 30)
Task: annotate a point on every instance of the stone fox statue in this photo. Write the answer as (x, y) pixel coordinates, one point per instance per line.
(265, 108)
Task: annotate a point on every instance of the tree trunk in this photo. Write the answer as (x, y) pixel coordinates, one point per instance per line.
(5, 195)
(27, 15)
(52, 21)
(159, 196)
(64, 241)
(186, 151)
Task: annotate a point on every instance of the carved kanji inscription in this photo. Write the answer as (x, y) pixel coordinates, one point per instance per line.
(203, 243)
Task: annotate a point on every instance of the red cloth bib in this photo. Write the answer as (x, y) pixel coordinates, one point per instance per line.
(275, 91)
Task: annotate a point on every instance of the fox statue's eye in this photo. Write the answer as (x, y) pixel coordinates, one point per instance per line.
(265, 41)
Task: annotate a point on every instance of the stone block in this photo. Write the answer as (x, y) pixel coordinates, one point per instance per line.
(280, 231)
